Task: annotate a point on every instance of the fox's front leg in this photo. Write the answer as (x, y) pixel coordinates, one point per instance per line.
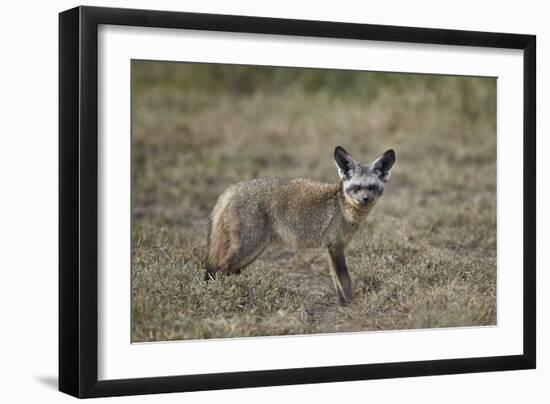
(340, 275)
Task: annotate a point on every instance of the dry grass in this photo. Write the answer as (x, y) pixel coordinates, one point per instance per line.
(426, 256)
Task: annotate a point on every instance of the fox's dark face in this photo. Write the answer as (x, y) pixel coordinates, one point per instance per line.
(363, 183)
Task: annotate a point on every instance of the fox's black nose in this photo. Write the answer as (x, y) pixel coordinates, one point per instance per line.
(366, 199)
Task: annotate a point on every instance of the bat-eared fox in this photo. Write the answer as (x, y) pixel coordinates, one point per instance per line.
(250, 215)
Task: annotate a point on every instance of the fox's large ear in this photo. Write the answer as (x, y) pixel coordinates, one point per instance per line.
(383, 164)
(344, 162)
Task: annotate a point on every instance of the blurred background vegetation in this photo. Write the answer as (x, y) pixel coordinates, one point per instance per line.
(217, 79)
(426, 256)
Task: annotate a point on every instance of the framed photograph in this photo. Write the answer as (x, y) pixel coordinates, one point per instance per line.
(251, 201)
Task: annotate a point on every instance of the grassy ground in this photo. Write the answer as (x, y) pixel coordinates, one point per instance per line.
(425, 257)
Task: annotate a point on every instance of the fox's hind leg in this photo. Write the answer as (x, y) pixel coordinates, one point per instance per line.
(235, 258)
(234, 261)
(233, 244)
(340, 275)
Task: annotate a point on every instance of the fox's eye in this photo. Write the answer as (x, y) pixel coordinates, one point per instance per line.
(371, 187)
(356, 188)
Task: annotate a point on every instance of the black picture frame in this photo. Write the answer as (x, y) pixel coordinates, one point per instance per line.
(78, 201)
